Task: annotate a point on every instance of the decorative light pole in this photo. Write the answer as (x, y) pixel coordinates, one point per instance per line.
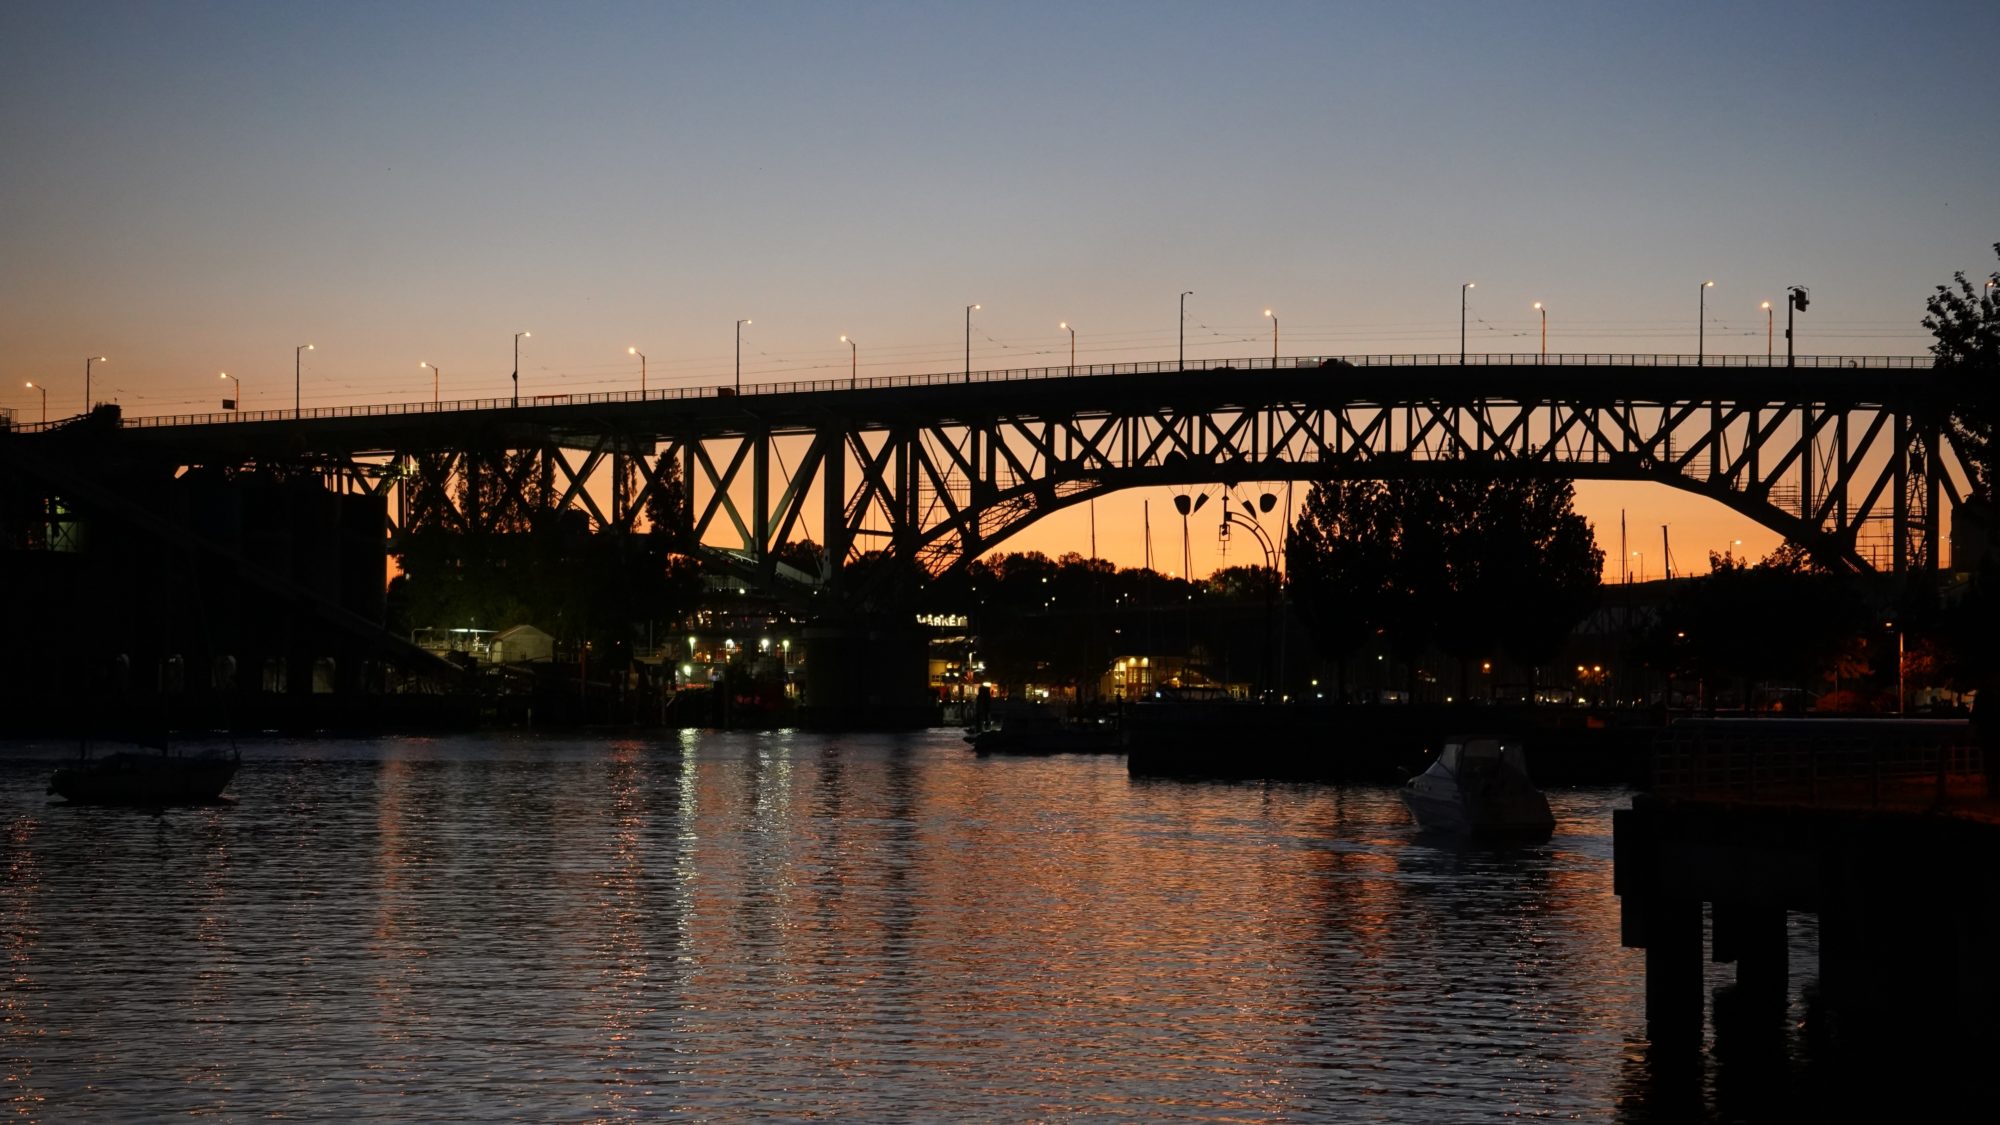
(642, 369)
(739, 354)
(1184, 296)
(1540, 308)
(1701, 325)
(435, 372)
(1462, 291)
(45, 401)
(517, 365)
(969, 309)
(87, 361)
(1274, 336)
(296, 354)
(1072, 345)
(237, 402)
(1799, 302)
(853, 363)
(1766, 306)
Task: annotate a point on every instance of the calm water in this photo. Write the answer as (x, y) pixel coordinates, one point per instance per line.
(790, 925)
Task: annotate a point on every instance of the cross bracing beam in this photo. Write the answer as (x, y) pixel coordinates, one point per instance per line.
(1847, 460)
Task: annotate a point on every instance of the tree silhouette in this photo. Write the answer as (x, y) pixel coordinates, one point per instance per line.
(1966, 322)
(1473, 566)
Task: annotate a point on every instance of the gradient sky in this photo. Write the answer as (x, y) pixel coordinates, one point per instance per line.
(197, 188)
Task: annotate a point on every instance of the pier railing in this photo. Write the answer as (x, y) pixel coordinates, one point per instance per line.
(1849, 763)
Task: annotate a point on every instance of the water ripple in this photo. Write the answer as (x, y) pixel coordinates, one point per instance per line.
(787, 925)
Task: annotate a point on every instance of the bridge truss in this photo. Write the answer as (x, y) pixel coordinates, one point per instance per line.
(1847, 456)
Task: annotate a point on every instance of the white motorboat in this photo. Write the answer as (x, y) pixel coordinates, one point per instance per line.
(1479, 787)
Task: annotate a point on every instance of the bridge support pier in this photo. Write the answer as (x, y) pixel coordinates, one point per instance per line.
(1909, 922)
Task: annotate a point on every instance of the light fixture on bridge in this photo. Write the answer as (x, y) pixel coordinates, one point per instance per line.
(1701, 325)
(1462, 291)
(1072, 345)
(1799, 301)
(237, 402)
(1274, 336)
(1766, 306)
(739, 353)
(435, 372)
(642, 369)
(45, 401)
(853, 363)
(517, 365)
(1540, 308)
(969, 310)
(1185, 294)
(87, 361)
(296, 354)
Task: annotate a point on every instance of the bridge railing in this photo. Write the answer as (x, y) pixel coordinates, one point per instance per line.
(1017, 374)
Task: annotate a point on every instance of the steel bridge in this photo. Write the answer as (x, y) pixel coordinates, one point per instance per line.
(1848, 456)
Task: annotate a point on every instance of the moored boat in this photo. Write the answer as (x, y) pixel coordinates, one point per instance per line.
(1479, 787)
(146, 780)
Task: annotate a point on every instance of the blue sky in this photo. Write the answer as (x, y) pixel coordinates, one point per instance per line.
(197, 188)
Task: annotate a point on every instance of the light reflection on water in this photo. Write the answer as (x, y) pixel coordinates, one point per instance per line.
(865, 927)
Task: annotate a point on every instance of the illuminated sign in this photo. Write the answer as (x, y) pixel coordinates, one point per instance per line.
(942, 620)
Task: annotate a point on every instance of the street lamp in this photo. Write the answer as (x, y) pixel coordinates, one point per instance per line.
(1274, 336)
(1462, 291)
(1640, 566)
(1766, 306)
(739, 354)
(853, 363)
(1799, 301)
(296, 354)
(1545, 330)
(642, 369)
(237, 402)
(968, 340)
(45, 402)
(1184, 297)
(87, 361)
(1701, 325)
(1072, 345)
(517, 365)
(435, 372)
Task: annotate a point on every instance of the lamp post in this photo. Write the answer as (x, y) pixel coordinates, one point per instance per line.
(968, 340)
(1462, 291)
(739, 354)
(642, 369)
(1701, 325)
(1540, 308)
(1766, 306)
(237, 403)
(1640, 566)
(45, 402)
(1072, 345)
(1184, 297)
(1274, 336)
(297, 353)
(517, 365)
(435, 372)
(853, 363)
(1798, 304)
(87, 361)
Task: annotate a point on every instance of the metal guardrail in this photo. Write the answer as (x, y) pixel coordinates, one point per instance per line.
(1020, 374)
